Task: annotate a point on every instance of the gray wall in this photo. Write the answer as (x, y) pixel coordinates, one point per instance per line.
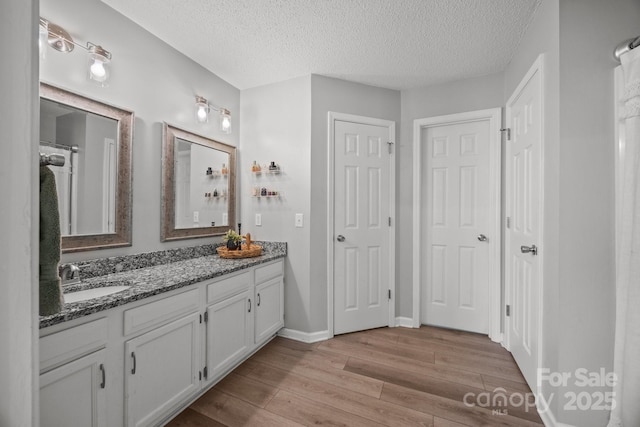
(276, 127)
(577, 38)
(448, 98)
(19, 214)
(148, 77)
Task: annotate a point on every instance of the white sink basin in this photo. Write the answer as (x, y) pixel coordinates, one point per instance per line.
(93, 293)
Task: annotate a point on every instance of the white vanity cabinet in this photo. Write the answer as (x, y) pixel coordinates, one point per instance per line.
(73, 376)
(162, 366)
(139, 364)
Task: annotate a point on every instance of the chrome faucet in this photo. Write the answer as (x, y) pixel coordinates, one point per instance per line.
(69, 274)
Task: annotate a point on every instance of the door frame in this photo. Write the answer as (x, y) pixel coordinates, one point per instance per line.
(536, 67)
(391, 126)
(493, 115)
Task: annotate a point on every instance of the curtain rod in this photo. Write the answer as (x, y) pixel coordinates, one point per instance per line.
(625, 47)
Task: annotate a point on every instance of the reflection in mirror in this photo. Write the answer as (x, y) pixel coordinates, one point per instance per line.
(94, 185)
(198, 185)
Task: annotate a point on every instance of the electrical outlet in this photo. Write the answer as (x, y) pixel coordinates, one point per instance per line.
(258, 219)
(299, 220)
(196, 216)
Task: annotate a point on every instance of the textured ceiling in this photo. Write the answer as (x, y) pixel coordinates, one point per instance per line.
(396, 44)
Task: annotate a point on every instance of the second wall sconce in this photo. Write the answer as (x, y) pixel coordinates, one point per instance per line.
(59, 39)
(203, 108)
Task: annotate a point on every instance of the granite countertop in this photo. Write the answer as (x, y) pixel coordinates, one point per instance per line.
(156, 279)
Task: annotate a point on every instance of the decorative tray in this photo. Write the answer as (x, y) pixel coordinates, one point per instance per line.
(251, 251)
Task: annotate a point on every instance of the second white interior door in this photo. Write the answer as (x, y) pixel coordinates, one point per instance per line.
(456, 232)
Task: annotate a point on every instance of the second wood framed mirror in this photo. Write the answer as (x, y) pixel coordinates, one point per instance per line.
(198, 185)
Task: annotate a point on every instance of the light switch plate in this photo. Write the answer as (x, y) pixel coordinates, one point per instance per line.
(299, 220)
(258, 220)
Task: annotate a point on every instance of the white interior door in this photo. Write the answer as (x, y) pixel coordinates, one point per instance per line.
(457, 225)
(362, 243)
(523, 231)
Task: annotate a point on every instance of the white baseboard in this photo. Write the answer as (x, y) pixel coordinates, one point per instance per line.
(405, 322)
(308, 337)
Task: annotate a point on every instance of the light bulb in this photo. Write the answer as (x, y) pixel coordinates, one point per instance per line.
(202, 114)
(98, 71)
(226, 123)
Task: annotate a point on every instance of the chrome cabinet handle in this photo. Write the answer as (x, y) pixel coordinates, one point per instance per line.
(104, 376)
(482, 237)
(133, 369)
(258, 303)
(533, 250)
(340, 238)
(249, 305)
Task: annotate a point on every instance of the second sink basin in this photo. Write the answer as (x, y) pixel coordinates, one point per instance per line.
(93, 293)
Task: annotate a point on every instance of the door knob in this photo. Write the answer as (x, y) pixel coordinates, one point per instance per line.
(482, 237)
(340, 238)
(533, 250)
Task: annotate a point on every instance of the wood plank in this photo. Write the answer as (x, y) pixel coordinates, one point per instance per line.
(234, 412)
(244, 388)
(308, 412)
(449, 409)
(337, 397)
(384, 346)
(441, 422)
(491, 383)
(425, 368)
(481, 365)
(330, 359)
(425, 383)
(354, 382)
(191, 418)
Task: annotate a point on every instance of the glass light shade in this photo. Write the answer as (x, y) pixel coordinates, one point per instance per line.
(202, 110)
(225, 120)
(99, 65)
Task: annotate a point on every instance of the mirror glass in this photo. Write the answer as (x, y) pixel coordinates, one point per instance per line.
(94, 184)
(198, 185)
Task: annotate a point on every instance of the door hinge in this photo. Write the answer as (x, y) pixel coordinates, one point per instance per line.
(508, 222)
(508, 131)
(206, 373)
(389, 221)
(389, 146)
(508, 310)
(389, 293)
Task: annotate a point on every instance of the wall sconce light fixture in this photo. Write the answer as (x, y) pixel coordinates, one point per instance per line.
(203, 108)
(59, 39)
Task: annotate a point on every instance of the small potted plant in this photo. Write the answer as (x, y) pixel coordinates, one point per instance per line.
(233, 240)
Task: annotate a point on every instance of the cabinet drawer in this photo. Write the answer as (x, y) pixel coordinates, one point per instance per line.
(64, 346)
(269, 271)
(228, 286)
(162, 311)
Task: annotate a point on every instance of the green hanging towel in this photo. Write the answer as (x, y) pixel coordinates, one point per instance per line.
(51, 299)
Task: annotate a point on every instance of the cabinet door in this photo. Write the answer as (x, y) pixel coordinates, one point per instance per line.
(74, 394)
(269, 309)
(161, 370)
(229, 332)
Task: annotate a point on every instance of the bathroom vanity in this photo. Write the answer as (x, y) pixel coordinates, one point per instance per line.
(139, 356)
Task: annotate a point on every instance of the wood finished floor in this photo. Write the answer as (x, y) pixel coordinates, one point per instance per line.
(388, 376)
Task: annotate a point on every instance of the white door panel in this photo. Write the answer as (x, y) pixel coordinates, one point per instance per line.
(524, 117)
(457, 211)
(361, 194)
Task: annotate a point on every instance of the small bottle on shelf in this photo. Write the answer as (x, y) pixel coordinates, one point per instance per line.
(225, 170)
(273, 167)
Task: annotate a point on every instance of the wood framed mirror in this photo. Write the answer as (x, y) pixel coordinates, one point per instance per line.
(94, 185)
(198, 185)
